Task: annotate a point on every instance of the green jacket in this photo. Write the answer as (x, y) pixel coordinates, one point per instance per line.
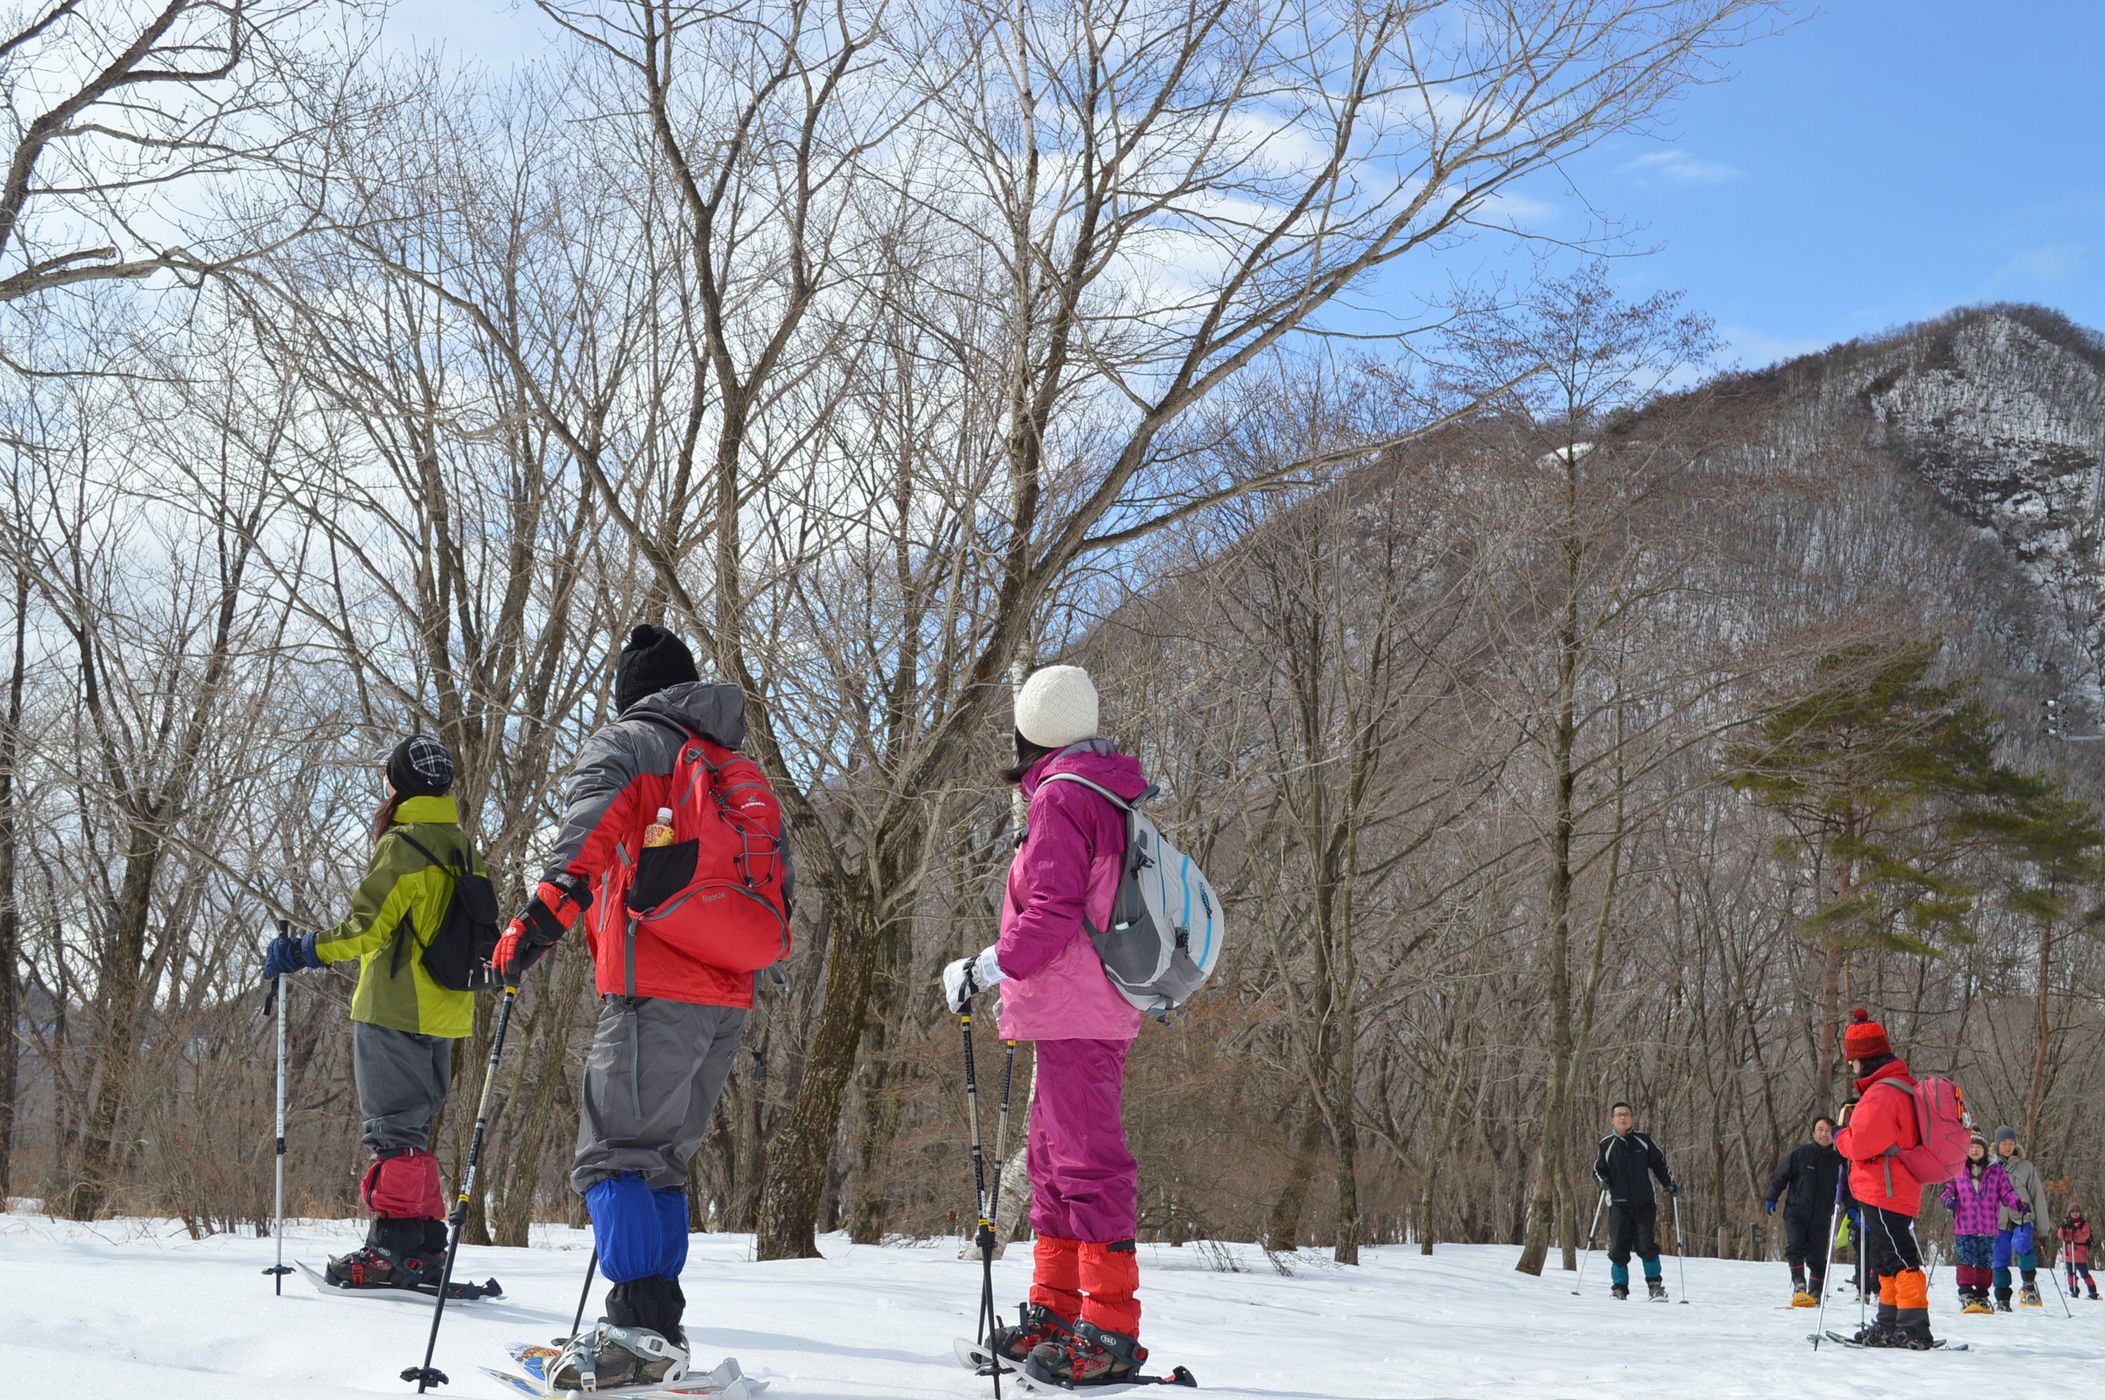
(394, 914)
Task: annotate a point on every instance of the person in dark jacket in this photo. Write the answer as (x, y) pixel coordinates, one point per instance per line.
(1811, 1174)
(1624, 1165)
(404, 1023)
(677, 944)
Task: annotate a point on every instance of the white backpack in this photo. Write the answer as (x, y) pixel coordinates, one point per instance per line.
(1165, 932)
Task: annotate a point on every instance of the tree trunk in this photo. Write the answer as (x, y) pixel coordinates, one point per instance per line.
(10, 914)
(122, 970)
(798, 1159)
(1283, 1230)
(880, 1122)
(2041, 1053)
(1556, 1125)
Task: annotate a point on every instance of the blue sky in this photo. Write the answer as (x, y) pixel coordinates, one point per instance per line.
(1879, 162)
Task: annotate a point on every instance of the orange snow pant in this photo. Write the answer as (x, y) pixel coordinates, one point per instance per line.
(1089, 1282)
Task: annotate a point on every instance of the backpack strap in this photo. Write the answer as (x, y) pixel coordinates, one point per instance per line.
(451, 873)
(1109, 796)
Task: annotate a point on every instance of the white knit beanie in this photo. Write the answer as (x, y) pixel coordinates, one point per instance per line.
(1057, 707)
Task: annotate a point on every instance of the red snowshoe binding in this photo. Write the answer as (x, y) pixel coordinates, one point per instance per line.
(1035, 1327)
(397, 1254)
(1091, 1356)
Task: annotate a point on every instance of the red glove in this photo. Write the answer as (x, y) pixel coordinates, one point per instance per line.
(555, 906)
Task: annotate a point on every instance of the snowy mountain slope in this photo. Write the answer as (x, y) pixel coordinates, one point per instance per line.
(133, 1310)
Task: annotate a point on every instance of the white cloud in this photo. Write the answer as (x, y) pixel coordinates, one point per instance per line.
(2050, 265)
(1677, 166)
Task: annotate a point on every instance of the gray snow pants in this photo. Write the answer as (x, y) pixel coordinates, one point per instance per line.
(402, 1080)
(651, 1080)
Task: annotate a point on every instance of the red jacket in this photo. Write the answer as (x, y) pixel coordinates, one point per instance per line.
(1884, 1117)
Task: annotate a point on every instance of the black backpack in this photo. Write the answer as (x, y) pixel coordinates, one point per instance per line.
(458, 955)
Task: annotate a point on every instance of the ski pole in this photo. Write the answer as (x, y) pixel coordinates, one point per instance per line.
(277, 1230)
(1680, 1249)
(427, 1375)
(1001, 1129)
(984, 1235)
(1834, 1227)
(1592, 1231)
(2066, 1310)
(591, 1268)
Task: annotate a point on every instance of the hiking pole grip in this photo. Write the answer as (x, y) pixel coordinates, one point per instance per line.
(427, 1375)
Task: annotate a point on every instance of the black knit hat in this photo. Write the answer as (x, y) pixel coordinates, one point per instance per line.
(419, 766)
(651, 660)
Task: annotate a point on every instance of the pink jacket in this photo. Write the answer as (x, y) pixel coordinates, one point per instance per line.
(1066, 869)
(1974, 1204)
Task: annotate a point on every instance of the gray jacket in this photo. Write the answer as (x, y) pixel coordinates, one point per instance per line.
(2025, 1177)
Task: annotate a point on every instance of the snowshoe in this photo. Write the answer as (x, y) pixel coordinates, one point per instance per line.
(1618, 1291)
(1936, 1344)
(1089, 1356)
(605, 1356)
(1656, 1290)
(1977, 1307)
(376, 1266)
(2029, 1297)
(726, 1382)
(1803, 1299)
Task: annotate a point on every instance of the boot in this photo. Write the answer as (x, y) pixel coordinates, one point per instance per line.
(1657, 1289)
(1034, 1327)
(652, 1304)
(605, 1355)
(1618, 1290)
(1091, 1356)
(397, 1254)
(2028, 1296)
(1879, 1331)
(2002, 1300)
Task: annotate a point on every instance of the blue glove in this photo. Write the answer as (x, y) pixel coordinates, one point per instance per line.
(1768, 1207)
(2021, 1239)
(1856, 1219)
(289, 954)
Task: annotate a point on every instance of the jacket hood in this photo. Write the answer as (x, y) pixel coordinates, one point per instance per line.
(1095, 760)
(716, 712)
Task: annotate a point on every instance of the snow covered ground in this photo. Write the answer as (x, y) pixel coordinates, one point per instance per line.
(134, 1310)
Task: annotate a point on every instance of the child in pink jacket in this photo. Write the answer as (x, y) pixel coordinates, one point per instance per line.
(1975, 1198)
(1082, 1322)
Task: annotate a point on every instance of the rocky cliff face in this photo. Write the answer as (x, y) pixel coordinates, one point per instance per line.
(2009, 426)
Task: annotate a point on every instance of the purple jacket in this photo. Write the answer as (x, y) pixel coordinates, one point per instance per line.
(1067, 869)
(1976, 1205)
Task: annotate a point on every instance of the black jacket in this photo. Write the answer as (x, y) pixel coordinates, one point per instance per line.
(1624, 1166)
(1811, 1173)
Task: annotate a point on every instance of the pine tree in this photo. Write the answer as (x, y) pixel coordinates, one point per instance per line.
(1883, 777)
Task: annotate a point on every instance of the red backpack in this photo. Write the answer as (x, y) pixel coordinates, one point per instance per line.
(716, 893)
(1944, 1127)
